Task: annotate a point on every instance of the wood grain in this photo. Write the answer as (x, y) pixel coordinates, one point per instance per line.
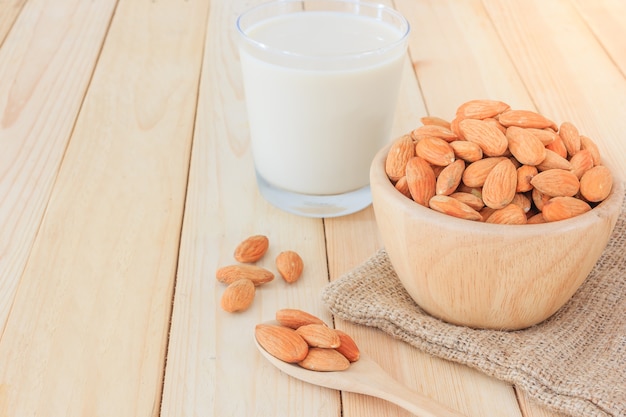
(46, 64)
(88, 328)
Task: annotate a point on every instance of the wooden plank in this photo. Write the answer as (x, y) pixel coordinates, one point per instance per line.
(9, 11)
(213, 367)
(88, 330)
(607, 19)
(566, 70)
(46, 64)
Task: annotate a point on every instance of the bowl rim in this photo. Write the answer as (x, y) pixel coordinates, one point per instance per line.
(380, 183)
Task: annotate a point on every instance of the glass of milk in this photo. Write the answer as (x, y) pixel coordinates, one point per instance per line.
(321, 81)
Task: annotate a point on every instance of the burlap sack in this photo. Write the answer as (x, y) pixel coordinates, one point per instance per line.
(574, 362)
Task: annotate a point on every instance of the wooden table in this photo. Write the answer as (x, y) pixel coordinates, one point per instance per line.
(126, 180)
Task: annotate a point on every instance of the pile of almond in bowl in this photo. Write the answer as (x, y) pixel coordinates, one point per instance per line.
(498, 165)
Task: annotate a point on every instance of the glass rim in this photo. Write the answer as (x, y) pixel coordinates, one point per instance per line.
(370, 6)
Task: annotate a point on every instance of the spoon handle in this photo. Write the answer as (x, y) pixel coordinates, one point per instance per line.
(393, 391)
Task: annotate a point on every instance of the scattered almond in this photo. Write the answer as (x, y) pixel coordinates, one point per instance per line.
(251, 249)
(231, 273)
(238, 296)
(289, 265)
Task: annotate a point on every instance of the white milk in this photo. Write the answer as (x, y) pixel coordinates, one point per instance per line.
(315, 130)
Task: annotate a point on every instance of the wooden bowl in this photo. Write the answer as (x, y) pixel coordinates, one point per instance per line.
(486, 275)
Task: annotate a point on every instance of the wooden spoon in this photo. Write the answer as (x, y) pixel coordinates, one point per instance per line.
(366, 377)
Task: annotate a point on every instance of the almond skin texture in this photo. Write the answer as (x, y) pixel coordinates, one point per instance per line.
(596, 184)
(450, 178)
(231, 273)
(421, 180)
(500, 185)
(324, 360)
(399, 154)
(554, 161)
(481, 109)
(294, 318)
(251, 249)
(570, 137)
(238, 296)
(490, 139)
(470, 199)
(435, 131)
(581, 162)
(348, 346)
(289, 265)
(524, 174)
(281, 342)
(525, 146)
(511, 214)
(319, 335)
(590, 145)
(561, 208)
(525, 118)
(435, 150)
(453, 207)
(467, 151)
(556, 183)
(476, 173)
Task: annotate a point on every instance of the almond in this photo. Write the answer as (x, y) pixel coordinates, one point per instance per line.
(453, 207)
(238, 296)
(421, 180)
(554, 160)
(525, 118)
(510, 214)
(289, 265)
(251, 249)
(524, 174)
(403, 186)
(476, 173)
(490, 139)
(525, 146)
(546, 136)
(556, 183)
(495, 123)
(558, 147)
(523, 201)
(435, 131)
(294, 318)
(348, 346)
(470, 199)
(581, 162)
(570, 137)
(596, 184)
(590, 145)
(434, 120)
(536, 219)
(319, 335)
(231, 273)
(500, 185)
(561, 208)
(481, 109)
(435, 150)
(324, 360)
(400, 152)
(467, 151)
(281, 342)
(539, 198)
(450, 178)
